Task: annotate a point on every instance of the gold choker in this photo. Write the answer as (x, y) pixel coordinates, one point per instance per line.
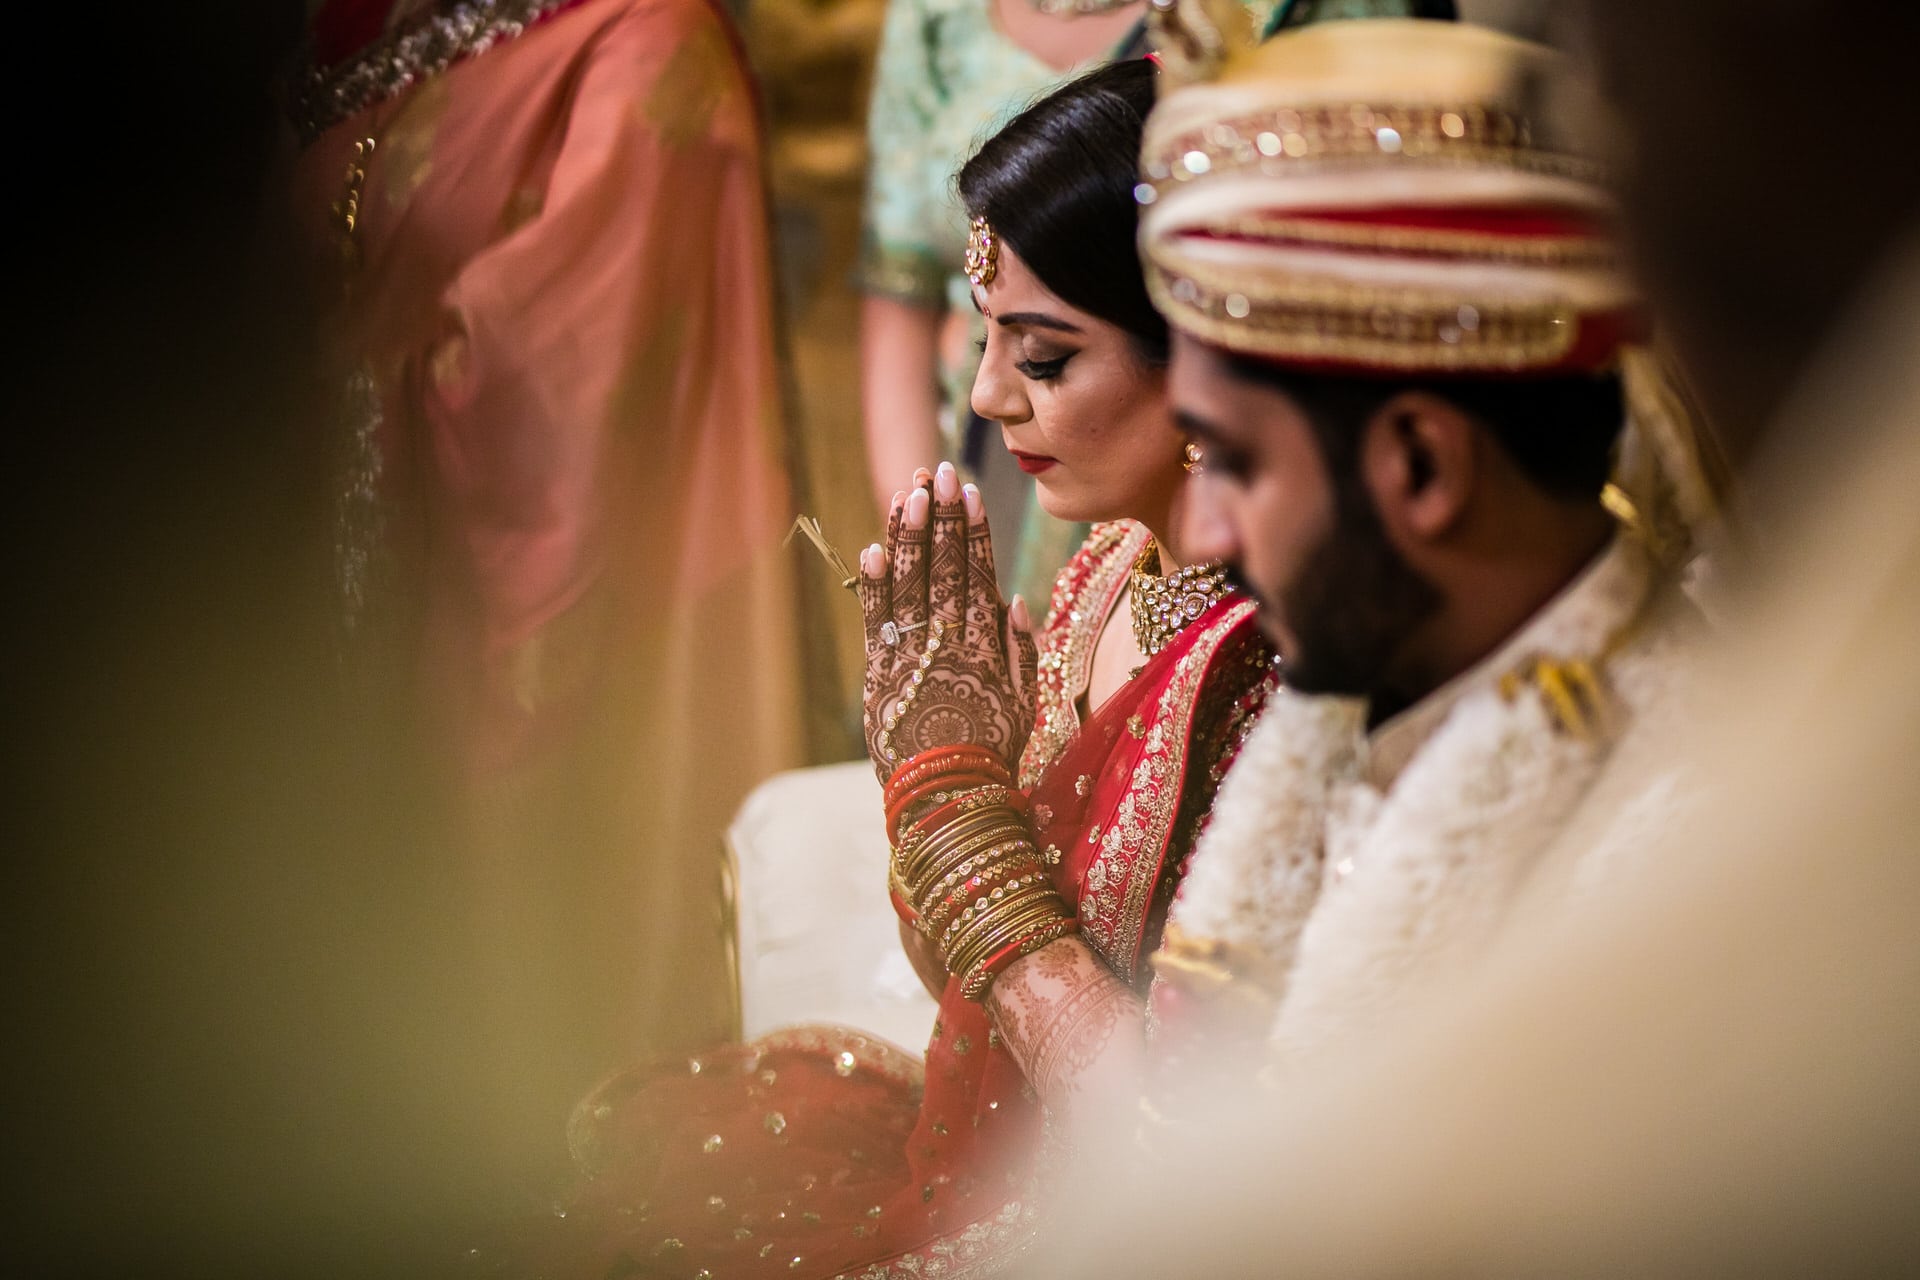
(1163, 606)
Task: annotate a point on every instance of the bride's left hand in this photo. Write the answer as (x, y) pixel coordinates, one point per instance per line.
(977, 685)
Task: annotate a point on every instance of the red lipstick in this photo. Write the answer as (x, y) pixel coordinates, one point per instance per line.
(1032, 463)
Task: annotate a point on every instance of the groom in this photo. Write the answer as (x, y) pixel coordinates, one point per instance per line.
(1398, 333)
(1711, 1071)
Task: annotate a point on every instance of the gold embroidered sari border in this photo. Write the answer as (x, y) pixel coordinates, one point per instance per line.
(1083, 597)
(1145, 817)
(406, 57)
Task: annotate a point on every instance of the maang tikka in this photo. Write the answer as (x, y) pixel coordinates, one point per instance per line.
(982, 262)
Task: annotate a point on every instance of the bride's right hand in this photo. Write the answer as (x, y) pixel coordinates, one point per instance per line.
(976, 683)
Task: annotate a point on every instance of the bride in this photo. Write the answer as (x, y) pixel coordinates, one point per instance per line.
(1041, 802)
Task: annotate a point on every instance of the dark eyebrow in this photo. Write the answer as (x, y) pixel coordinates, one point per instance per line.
(1037, 320)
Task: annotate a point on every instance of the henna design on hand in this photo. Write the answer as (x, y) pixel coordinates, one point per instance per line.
(978, 687)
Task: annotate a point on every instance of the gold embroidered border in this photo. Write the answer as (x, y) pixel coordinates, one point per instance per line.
(410, 55)
(1119, 884)
(1481, 246)
(1083, 596)
(1280, 140)
(1398, 328)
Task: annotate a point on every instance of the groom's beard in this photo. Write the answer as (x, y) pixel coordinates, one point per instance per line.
(1351, 607)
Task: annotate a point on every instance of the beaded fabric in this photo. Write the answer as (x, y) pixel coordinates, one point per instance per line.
(1162, 605)
(416, 52)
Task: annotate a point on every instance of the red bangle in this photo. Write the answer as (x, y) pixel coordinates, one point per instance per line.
(899, 797)
(946, 755)
(974, 985)
(970, 797)
(903, 908)
(939, 760)
(899, 808)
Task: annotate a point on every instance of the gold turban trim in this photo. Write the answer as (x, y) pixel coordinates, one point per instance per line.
(1391, 195)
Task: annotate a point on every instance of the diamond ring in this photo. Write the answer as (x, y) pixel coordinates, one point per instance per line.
(891, 631)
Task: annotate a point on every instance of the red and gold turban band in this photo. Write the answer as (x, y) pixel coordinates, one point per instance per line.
(1391, 197)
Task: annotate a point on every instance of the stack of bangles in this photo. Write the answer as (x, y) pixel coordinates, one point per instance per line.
(965, 873)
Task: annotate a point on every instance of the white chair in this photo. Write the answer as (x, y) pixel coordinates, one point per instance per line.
(818, 940)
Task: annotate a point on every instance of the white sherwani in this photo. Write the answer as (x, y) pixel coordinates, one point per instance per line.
(1357, 865)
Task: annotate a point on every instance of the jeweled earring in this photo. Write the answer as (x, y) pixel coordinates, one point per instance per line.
(1190, 458)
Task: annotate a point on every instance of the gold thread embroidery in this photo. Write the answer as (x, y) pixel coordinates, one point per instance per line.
(1480, 245)
(409, 56)
(1083, 597)
(1118, 887)
(1287, 138)
(1371, 326)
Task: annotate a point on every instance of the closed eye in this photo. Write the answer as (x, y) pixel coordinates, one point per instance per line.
(1042, 370)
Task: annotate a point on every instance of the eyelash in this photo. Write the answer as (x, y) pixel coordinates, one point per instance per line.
(1042, 370)
(1034, 370)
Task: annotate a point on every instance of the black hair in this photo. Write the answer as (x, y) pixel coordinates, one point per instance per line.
(1560, 431)
(1056, 185)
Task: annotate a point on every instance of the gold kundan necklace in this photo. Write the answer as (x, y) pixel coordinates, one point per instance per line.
(1163, 605)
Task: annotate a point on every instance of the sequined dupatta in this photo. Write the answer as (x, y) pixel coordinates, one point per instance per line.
(1107, 812)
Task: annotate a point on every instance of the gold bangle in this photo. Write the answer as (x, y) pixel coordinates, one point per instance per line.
(911, 839)
(943, 852)
(919, 842)
(973, 986)
(938, 913)
(999, 861)
(1009, 932)
(941, 861)
(1000, 921)
(981, 803)
(1016, 894)
(969, 798)
(1008, 851)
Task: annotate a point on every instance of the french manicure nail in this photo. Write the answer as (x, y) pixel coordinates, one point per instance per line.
(971, 495)
(917, 509)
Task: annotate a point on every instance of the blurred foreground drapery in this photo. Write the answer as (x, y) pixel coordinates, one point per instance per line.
(562, 481)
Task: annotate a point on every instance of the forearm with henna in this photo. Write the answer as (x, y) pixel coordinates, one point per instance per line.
(1077, 1031)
